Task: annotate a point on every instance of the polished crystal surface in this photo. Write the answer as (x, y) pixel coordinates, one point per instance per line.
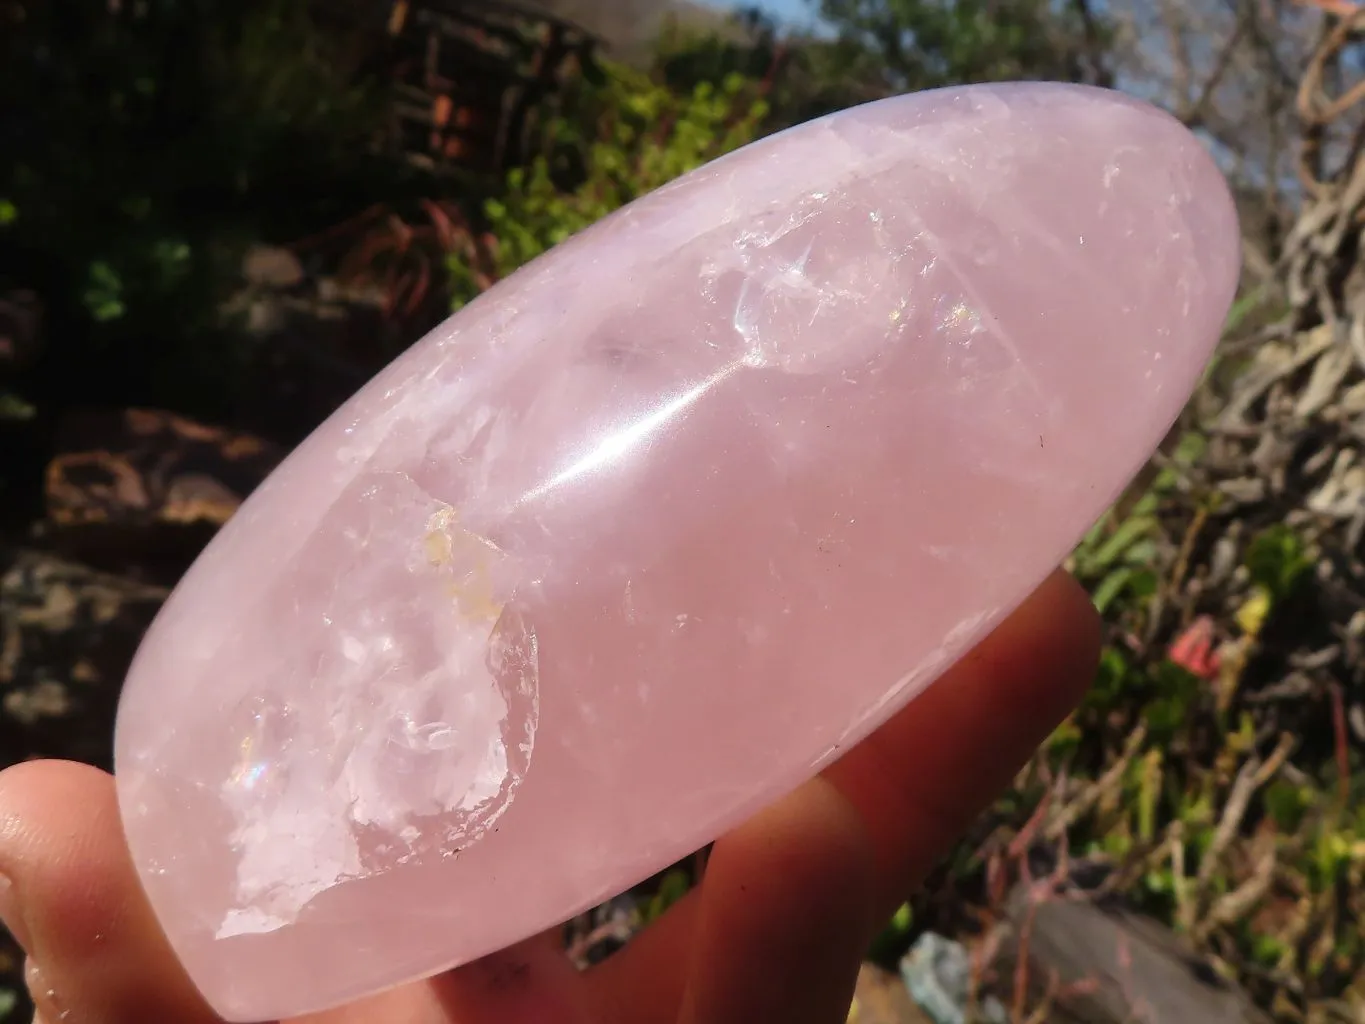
(652, 531)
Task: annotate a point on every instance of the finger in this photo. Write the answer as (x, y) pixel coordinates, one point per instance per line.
(922, 779)
(784, 917)
(95, 952)
(916, 783)
(530, 983)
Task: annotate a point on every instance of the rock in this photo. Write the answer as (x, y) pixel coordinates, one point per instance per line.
(651, 531)
(140, 489)
(938, 974)
(311, 347)
(267, 266)
(67, 635)
(881, 998)
(1093, 965)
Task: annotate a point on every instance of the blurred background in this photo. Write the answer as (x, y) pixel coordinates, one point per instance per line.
(218, 218)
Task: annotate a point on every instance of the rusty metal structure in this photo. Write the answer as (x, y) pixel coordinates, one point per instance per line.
(472, 79)
(471, 86)
(469, 80)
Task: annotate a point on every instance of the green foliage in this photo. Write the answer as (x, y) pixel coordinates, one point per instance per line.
(1116, 558)
(804, 76)
(1172, 696)
(672, 888)
(895, 937)
(625, 137)
(1120, 559)
(1173, 779)
(925, 44)
(749, 46)
(154, 141)
(1278, 561)
(1287, 804)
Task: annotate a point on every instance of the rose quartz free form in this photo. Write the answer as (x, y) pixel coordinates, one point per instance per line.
(651, 532)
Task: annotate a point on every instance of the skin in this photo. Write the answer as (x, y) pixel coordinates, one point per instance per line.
(776, 932)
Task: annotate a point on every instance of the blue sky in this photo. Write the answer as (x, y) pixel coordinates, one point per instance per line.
(793, 10)
(787, 8)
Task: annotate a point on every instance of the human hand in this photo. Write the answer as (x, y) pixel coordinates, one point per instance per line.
(776, 931)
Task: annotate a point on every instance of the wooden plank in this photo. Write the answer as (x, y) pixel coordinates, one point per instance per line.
(1111, 966)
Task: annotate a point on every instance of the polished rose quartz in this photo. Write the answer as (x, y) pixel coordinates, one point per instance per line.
(652, 531)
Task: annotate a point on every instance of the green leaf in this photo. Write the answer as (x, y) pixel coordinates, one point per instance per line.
(674, 886)
(1286, 804)
(894, 938)
(1277, 560)
(1065, 739)
(1190, 448)
(13, 407)
(1149, 789)
(103, 295)
(1111, 587)
(1128, 533)
(1111, 679)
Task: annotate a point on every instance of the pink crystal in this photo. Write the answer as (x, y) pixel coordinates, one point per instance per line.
(651, 532)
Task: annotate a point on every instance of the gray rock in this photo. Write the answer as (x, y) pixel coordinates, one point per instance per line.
(937, 972)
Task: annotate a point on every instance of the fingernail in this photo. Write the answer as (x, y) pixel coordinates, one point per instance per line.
(10, 916)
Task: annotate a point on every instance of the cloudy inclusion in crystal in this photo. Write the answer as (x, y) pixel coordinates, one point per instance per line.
(431, 717)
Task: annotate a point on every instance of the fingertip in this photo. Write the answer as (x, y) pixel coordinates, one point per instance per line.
(789, 895)
(91, 938)
(1050, 645)
(928, 772)
(61, 845)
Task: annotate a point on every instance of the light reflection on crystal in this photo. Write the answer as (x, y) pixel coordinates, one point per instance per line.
(247, 776)
(620, 443)
(957, 315)
(252, 763)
